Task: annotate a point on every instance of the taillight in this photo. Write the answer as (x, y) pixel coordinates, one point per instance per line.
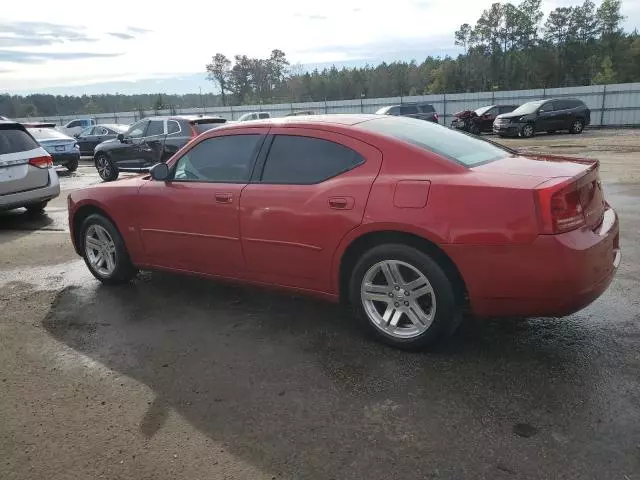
(560, 210)
(436, 117)
(41, 162)
(194, 131)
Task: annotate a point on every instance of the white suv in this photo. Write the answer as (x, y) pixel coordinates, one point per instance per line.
(27, 176)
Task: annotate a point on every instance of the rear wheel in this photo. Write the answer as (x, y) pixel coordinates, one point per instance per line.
(577, 126)
(104, 251)
(527, 131)
(36, 208)
(106, 169)
(72, 166)
(403, 297)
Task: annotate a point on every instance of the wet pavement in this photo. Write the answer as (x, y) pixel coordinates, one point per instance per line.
(175, 377)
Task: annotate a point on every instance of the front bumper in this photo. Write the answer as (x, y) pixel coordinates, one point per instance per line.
(511, 129)
(65, 158)
(37, 195)
(554, 276)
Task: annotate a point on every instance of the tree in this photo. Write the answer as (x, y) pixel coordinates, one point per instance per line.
(240, 80)
(609, 18)
(606, 74)
(159, 104)
(219, 70)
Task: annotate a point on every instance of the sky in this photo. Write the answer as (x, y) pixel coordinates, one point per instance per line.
(134, 47)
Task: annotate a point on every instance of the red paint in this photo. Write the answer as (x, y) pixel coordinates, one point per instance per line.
(493, 221)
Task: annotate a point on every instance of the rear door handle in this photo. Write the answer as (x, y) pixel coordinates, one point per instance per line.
(224, 197)
(341, 203)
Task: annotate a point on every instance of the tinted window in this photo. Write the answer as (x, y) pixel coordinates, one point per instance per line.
(449, 143)
(14, 140)
(173, 127)
(204, 125)
(137, 129)
(263, 115)
(391, 111)
(75, 123)
(507, 108)
(220, 159)
(305, 160)
(547, 107)
(86, 132)
(426, 108)
(408, 109)
(156, 127)
(100, 131)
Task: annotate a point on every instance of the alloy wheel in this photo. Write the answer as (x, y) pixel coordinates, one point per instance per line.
(104, 169)
(100, 250)
(398, 299)
(577, 126)
(527, 131)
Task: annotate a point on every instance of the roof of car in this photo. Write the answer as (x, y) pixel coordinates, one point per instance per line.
(306, 120)
(182, 117)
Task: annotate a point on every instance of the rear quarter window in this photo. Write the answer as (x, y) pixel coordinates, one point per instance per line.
(13, 140)
(458, 147)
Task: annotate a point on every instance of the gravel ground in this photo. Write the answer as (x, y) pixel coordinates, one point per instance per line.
(181, 378)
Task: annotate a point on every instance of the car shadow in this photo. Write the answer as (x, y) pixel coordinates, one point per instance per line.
(293, 386)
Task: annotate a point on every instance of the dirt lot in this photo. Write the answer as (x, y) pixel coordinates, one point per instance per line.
(181, 378)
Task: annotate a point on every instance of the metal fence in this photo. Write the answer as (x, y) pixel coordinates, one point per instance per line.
(611, 105)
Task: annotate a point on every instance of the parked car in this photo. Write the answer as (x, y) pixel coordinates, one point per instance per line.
(421, 111)
(254, 116)
(62, 148)
(411, 223)
(147, 142)
(481, 119)
(27, 176)
(90, 137)
(544, 116)
(77, 125)
(300, 113)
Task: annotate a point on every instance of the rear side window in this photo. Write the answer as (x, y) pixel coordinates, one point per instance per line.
(172, 127)
(75, 123)
(304, 160)
(263, 115)
(227, 159)
(408, 109)
(15, 140)
(461, 148)
(156, 127)
(427, 108)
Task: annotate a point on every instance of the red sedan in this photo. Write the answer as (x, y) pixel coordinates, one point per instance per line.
(411, 223)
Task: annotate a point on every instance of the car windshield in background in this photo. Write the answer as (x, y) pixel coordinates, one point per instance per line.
(527, 108)
(47, 134)
(483, 110)
(457, 146)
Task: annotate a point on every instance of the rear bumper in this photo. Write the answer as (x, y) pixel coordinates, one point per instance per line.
(554, 276)
(22, 199)
(65, 158)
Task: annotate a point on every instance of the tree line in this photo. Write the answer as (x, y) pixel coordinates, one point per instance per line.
(510, 47)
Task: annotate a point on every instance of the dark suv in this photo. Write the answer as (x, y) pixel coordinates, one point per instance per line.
(147, 142)
(422, 111)
(544, 116)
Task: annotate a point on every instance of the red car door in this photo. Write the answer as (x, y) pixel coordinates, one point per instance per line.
(311, 190)
(190, 222)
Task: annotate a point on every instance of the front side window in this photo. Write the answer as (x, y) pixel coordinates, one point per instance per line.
(305, 160)
(547, 107)
(137, 129)
(227, 159)
(465, 149)
(156, 127)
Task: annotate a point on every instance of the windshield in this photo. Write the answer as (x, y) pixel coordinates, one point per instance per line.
(482, 110)
(47, 134)
(462, 148)
(527, 108)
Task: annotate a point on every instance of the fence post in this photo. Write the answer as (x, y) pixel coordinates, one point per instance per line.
(291, 107)
(544, 92)
(326, 108)
(444, 109)
(231, 109)
(604, 97)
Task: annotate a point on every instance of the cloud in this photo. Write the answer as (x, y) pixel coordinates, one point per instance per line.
(17, 56)
(310, 16)
(45, 31)
(122, 36)
(138, 30)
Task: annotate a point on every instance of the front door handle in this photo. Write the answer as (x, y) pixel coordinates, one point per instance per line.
(224, 197)
(341, 203)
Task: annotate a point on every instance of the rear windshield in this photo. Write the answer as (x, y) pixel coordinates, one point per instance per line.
(15, 140)
(47, 134)
(204, 125)
(462, 148)
(427, 108)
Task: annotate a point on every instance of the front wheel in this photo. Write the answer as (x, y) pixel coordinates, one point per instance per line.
(527, 131)
(577, 126)
(106, 169)
(104, 251)
(404, 297)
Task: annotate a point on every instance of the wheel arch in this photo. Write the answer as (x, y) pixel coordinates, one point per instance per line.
(364, 242)
(80, 215)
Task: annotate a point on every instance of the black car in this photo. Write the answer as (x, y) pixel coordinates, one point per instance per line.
(147, 142)
(544, 116)
(422, 111)
(90, 137)
(481, 119)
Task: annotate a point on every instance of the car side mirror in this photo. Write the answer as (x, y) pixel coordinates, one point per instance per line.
(76, 135)
(159, 172)
(121, 137)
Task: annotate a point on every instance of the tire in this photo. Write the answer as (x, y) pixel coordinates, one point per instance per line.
(435, 313)
(106, 168)
(551, 132)
(474, 130)
(72, 166)
(527, 131)
(105, 254)
(577, 126)
(36, 208)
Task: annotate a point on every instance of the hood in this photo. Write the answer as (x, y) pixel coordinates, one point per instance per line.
(512, 115)
(465, 114)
